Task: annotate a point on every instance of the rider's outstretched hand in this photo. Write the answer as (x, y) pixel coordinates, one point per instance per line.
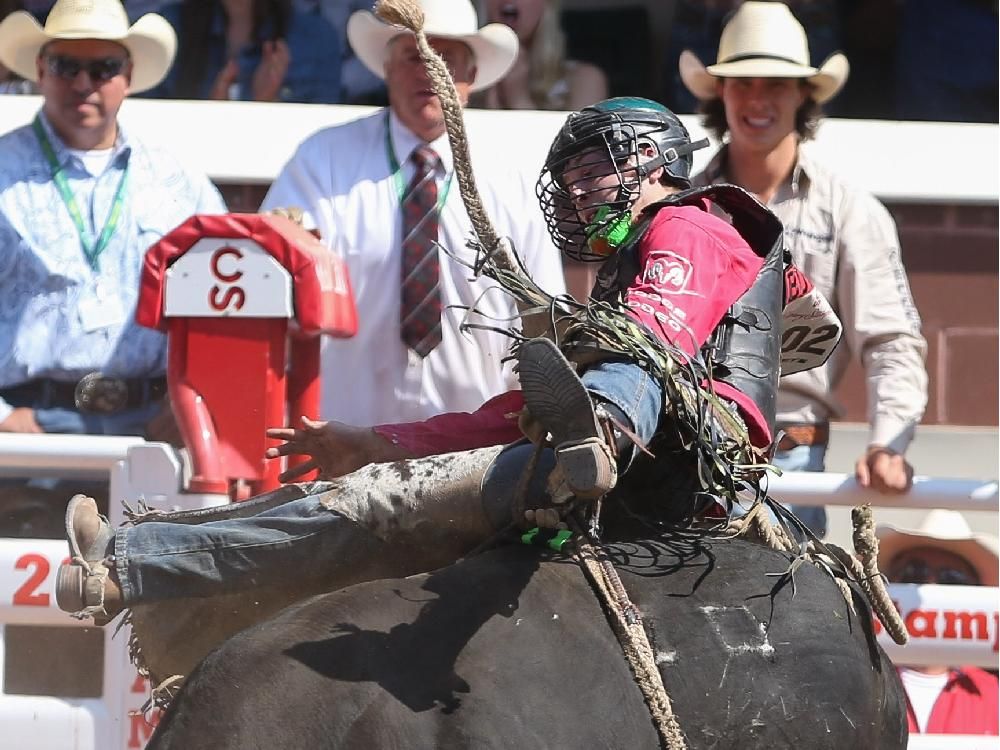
(334, 448)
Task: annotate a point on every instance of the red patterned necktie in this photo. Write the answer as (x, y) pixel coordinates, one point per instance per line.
(420, 308)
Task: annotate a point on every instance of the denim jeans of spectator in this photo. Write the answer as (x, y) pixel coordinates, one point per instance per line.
(71, 421)
(806, 458)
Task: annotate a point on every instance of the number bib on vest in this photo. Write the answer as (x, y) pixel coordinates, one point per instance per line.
(810, 331)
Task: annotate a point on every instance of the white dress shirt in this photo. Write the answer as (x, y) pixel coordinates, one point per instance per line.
(342, 179)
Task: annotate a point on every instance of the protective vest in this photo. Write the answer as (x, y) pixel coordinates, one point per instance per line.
(745, 348)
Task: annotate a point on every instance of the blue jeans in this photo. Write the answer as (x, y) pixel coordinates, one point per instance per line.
(633, 392)
(163, 560)
(805, 458)
(71, 421)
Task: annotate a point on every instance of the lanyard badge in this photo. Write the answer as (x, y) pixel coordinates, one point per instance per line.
(91, 249)
(397, 170)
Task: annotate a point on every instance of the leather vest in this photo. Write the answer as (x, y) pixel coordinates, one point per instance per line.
(745, 347)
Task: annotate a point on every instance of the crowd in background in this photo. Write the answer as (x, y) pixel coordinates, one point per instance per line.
(907, 60)
(938, 66)
(935, 66)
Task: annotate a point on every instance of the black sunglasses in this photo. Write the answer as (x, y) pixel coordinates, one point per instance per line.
(918, 571)
(100, 69)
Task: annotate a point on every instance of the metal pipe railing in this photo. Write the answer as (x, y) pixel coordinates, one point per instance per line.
(69, 456)
(830, 488)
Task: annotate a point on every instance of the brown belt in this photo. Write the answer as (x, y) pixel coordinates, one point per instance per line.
(803, 434)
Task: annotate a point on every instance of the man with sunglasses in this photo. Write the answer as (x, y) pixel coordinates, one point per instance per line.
(81, 199)
(944, 551)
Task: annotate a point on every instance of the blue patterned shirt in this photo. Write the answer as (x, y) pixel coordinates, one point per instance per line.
(59, 318)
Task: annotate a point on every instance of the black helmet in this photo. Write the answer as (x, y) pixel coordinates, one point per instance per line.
(611, 131)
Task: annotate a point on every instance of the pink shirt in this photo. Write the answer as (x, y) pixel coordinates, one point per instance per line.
(694, 266)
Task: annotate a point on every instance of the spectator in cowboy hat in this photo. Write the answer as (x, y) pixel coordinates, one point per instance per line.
(352, 181)
(765, 98)
(81, 199)
(943, 550)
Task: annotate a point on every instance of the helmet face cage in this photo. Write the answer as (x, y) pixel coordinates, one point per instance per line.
(605, 153)
(599, 143)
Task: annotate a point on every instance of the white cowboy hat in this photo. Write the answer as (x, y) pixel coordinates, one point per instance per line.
(151, 40)
(946, 530)
(494, 45)
(763, 40)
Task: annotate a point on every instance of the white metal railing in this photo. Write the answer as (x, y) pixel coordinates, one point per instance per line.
(135, 469)
(830, 488)
(71, 456)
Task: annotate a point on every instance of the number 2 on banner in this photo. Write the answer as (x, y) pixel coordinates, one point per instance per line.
(27, 595)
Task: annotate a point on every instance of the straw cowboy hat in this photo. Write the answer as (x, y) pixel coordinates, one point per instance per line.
(494, 45)
(151, 40)
(763, 40)
(945, 530)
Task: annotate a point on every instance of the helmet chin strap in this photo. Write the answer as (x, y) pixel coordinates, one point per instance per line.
(671, 155)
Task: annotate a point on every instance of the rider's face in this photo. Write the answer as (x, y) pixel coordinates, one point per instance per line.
(591, 180)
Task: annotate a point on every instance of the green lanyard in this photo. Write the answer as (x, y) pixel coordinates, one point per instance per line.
(397, 171)
(91, 250)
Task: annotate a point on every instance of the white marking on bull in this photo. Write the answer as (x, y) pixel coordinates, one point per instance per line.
(666, 657)
(717, 615)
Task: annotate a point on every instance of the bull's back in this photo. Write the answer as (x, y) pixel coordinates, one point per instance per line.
(507, 650)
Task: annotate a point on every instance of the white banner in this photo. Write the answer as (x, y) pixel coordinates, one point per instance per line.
(948, 625)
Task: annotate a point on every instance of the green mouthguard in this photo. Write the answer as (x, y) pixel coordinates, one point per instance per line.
(605, 239)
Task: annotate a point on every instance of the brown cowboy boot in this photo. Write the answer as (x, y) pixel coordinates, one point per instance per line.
(85, 587)
(557, 399)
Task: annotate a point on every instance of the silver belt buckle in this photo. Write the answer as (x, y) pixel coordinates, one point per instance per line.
(98, 394)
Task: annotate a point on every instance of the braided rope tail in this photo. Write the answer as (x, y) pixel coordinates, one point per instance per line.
(872, 581)
(409, 15)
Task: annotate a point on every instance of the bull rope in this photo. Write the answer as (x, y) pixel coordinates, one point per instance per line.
(626, 621)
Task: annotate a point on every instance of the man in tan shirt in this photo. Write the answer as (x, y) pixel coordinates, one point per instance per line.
(764, 93)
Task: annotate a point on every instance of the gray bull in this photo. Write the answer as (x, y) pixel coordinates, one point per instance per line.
(511, 649)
